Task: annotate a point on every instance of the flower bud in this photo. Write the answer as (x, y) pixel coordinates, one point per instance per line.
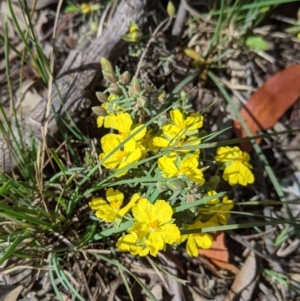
(141, 101)
(136, 36)
(162, 186)
(175, 185)
(190, 198)
(171, 9)
(195, 56)
(106, 65)
(130, 92)
(101, 97)
(109, 76)
(125, 78)
(114, 89)
(135, 85)
(162, 96)
(85, 8)
(214, 181)
(99, 111)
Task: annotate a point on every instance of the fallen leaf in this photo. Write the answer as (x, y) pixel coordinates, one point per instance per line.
(218, 254)
(29, 99)
(10, 292)
(157, 292)
(246, 280)
(209, 265)
(269, 103)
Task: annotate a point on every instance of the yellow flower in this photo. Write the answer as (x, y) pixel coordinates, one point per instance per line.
(112, 97)
(126, 155)
(110, 210)
(135, 35)
(237, 170)
(88, 8)
(147, 140)
(85, 8)
(122, 122)
(222, 214)
(152, 230)
(211, 208)
(181, 126)
(173, 167)
(198, 240)
(100, 121)
(129, 243)
(181, 145)
(220, 210)
(105, 106)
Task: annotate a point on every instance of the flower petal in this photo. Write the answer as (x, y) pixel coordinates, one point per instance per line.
(107, 213)
(100, 120)
(177, 118)
(167, 165)
(170, 233)
(131, 203)
(109, 142)
(121, 122)
(190, 161)
(226, 204)
(196, 175)
(183, 238)
(191, 247)
(114, 195)
(104, 211)
(162, 212)
(194, 122)
(172, 132)
(142, 251)
(131, 159)
(142, 211)
(140, 229)
(130, 146)
(155, 243)
(160, 142)
(97, 203)
(204, 240)
(126, 242)
(213, 201)
(140, 134)
(238, 173)
(112, 161)
(134, 156)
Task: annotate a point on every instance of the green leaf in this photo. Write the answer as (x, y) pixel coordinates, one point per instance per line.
(256, 42)
(111, 231)
(198, 202)
(6, 186)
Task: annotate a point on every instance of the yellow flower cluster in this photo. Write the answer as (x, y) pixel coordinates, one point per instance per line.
(174, 141)
(218, 213)
(181, 134)
(152, 230)
(173, 166)
(116, 157)
(237, 167)
(197, 240)
(220, 209)
(110, 210)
